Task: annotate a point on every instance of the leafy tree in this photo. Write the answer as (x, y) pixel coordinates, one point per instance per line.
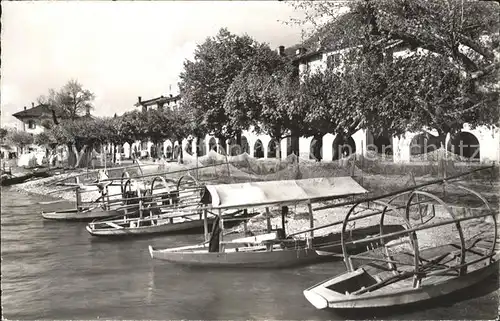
(46, 139)
(3, 133)
(263, 95)
(81, 136)
(70, 102)
(20, 139)
(47, 124)
(180, 126)
(154, 125)
(452, 28)
(339, 98)
(126, 126)
(430, 92)
(205, 81)
(461, 42)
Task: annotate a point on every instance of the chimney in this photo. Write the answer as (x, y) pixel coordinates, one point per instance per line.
(171, 96)
(140, 99)
(24, 107)
(281, 50)
(300, 51)
(32, 104)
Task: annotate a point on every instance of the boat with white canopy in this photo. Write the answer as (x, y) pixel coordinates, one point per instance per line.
(274, 248)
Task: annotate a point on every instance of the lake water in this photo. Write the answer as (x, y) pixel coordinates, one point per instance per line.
(56, 270)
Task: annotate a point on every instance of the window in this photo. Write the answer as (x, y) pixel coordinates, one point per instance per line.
(31, 124)
(333, 60)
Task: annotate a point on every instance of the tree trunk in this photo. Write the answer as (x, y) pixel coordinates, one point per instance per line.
(442, 161)
(238, 141)
(294, 141)
(72, 155)
(338, 141)
(79, 155)
(181, 151)
(317, 148)
(222, 146)
(278, 148)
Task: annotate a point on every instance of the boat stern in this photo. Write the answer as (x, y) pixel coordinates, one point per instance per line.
(89, 229)
(317, 300)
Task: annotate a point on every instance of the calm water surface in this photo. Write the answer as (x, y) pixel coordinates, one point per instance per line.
(56, 270)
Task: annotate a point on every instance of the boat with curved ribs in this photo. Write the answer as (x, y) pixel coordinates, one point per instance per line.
(424, 263)
(273, 249)
(164, 208)
(113, 196)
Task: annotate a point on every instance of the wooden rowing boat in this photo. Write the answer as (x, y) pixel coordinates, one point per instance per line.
(272, 249)
(177, 210)
(412, 271)
(116, 199)
(264, 251)
(82, 214)
(8, 179)
(190, 220)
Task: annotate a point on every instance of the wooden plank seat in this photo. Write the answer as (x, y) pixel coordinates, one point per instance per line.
(114, 225)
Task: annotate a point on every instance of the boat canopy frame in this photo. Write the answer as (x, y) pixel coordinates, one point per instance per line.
(410, 231)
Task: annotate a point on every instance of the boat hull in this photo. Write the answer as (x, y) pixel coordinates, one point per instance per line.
(288, 254)
(78, 215)
(240, 259)
(151, 229)
(8, 181)
(401, 296)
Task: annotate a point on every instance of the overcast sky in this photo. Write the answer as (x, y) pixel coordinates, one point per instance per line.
(119, 50)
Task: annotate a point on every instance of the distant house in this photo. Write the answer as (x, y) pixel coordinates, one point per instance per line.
(32, 119)
(146, 148)
(160, 102)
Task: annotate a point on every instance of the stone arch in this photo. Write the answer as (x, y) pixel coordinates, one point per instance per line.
(235, 149)
(272, 148)
(153, 152)
(423, 143)
(258, 149)
(245, 146)
(343, 147)
(288, 146)
(212, 144)
(168, 151)
(176, 151)
(188, 148)
(201, 149)
(316, 148)
(466, 145)
(382, 144)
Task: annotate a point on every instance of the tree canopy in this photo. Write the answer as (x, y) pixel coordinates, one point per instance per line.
(69, 102)
(3, 133)
(262, 95)
(205, 80)
(19, 138)
(443, 80)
